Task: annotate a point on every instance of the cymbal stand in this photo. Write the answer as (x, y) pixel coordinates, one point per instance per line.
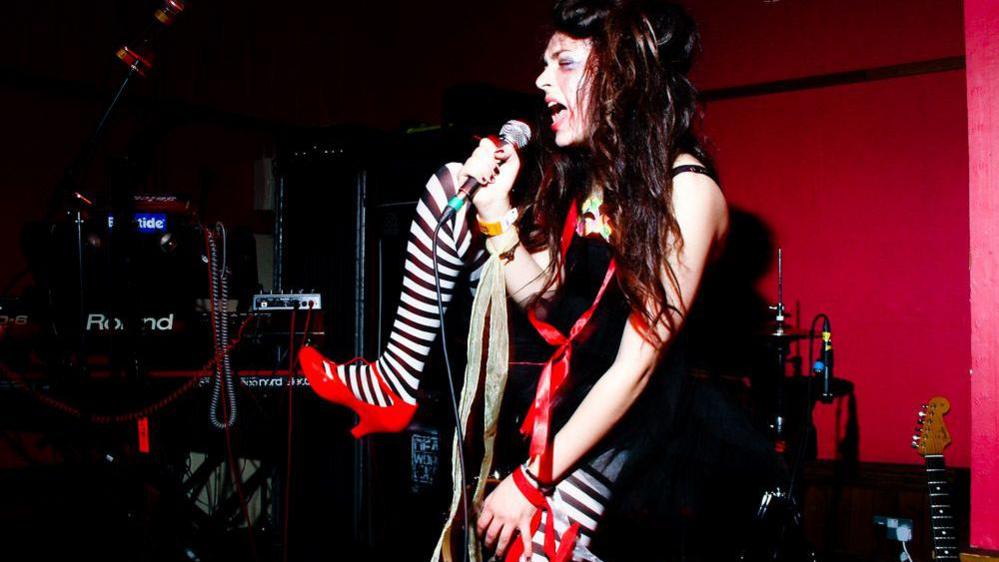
(782, 349)
(778, 516)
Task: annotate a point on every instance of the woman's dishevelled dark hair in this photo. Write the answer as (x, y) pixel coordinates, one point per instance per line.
(641, 115)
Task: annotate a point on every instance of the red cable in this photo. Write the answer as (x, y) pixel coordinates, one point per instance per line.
(291, 394)
(104, 419)
(56, 404)
(237, 479)
(292, 365)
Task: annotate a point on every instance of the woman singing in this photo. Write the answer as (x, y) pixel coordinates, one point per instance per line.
(608, 252)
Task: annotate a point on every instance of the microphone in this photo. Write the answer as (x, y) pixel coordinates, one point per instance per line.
(513, 132)
(824, 365)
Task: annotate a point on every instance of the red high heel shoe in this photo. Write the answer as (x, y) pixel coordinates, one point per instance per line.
(373, 418)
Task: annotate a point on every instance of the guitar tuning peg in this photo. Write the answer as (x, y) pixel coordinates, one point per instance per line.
(922, 414)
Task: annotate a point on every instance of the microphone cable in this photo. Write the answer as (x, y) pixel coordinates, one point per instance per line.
(518, 134)
(224, 387)
(458, 431)
(806, 418)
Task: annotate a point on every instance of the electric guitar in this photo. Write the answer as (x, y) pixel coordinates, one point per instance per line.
(930, 439)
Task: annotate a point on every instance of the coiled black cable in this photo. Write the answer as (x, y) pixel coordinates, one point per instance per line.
(218, 309)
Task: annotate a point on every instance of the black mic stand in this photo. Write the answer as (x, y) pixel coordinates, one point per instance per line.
(139, 62)
(79, 201)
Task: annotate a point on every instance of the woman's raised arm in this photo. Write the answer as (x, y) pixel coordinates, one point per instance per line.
(496, 169)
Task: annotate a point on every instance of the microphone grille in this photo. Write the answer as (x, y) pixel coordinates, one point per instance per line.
(516, 132)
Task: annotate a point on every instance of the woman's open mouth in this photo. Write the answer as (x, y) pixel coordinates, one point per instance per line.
(558, 112)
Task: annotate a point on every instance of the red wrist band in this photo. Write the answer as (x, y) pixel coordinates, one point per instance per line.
(529, 491)
(537, 499)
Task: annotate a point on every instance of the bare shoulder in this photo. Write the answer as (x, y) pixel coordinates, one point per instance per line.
(697, 198)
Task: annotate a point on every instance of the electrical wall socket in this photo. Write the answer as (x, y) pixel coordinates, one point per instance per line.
(897, 529)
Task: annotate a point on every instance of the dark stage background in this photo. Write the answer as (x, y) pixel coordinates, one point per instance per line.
(839, 127)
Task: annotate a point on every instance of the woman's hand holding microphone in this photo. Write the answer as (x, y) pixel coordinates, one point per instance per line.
(495, 167)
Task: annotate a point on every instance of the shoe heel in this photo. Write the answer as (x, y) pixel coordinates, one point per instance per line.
(321, 374)
(383, 419)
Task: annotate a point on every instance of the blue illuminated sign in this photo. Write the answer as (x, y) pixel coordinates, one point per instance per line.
(151, 222)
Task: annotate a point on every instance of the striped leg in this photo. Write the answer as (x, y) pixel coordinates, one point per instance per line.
(417, 323)
(580, 498)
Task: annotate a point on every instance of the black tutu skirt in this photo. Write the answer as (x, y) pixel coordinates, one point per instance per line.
(695, 468)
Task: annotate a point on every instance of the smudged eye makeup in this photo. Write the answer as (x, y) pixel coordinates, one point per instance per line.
(563, 58)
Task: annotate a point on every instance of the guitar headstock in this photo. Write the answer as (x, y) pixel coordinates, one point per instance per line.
(932, 436)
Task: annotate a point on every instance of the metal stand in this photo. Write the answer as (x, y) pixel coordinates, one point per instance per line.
(782, 349)
(280, 216)
(81, 349)
(362, 525)
(67, 183)
(138, 64)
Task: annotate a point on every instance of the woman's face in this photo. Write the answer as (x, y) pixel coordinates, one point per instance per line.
(566, 94)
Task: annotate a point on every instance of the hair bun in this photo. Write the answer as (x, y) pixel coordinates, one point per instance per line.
(673, 29)
(675, 33)
(582, 18)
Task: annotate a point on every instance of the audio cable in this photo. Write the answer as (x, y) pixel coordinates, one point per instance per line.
(458, 430)
(218, 279)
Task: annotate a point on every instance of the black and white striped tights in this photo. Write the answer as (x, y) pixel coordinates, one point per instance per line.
(417, 322)
(582, 495)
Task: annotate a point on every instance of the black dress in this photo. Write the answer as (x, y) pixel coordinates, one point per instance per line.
(688, 468)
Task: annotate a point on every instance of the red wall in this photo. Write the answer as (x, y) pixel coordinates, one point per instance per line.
(865, 188)
(751, 41)
(983, 138)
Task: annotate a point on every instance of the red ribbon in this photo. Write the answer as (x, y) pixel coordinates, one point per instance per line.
(569, 229)
(537, 423)
(538, 500)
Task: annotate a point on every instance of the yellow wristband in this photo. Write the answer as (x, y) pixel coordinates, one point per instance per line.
(500, 226)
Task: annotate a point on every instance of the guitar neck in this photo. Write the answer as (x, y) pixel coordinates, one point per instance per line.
(942, 523)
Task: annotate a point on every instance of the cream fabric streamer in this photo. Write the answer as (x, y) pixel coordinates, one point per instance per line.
(490, 301)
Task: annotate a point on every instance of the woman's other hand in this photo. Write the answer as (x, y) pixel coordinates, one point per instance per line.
(504, 513)
(495, 168)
